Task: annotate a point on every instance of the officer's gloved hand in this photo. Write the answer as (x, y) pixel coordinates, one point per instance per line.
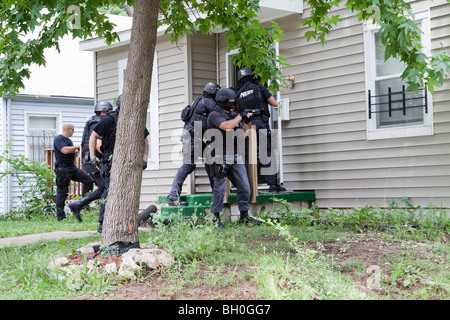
(144, 164)
(245, 116)
(94, 160)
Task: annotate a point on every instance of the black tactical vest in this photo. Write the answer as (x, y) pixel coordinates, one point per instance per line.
(249, 96)
(88, 128)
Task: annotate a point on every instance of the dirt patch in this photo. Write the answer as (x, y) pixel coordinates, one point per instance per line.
(354, 257)
(102, 261)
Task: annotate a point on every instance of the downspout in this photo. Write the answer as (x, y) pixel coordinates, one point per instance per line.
(95, 76)
(7, 198)
(188, 99)
(3, 165)
(217, 59)
(280, 137)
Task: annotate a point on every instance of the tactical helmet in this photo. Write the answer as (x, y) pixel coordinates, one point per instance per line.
(244, 72)
(224, 94)
(103, 106)
(118, 101)
(211, 88)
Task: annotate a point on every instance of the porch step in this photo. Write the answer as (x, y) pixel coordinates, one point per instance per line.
(200, 202)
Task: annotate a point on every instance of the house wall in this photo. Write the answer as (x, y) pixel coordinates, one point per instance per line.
(173, 95)
(69, 110)
(325, 146)
(2, 148)
(204, 70)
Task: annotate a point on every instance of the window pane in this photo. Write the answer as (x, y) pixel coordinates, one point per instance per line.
(41, 133)
(385, 68)
(232, 72)
(413, 115)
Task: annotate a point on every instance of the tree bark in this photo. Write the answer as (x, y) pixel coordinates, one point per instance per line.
(122, 204)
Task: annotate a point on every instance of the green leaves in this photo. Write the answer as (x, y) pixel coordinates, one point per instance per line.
(400, 35)
(30, 27)
(254, 42)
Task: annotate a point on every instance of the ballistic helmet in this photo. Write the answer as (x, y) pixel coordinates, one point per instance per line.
(118, 101)
(244, 72)
(211, 88)
(224, 94)
(103, 106)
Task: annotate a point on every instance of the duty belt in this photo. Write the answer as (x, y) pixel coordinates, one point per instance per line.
(64, 165)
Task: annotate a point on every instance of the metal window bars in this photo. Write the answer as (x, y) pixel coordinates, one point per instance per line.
(37, 142)
(403, 100)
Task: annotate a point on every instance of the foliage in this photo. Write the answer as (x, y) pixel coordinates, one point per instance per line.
(241, 28)
(36, 182)
(48, 22)
(399, 34)
(51, 20)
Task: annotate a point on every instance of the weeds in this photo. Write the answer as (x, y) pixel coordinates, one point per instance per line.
(36, 182)
(285, 258)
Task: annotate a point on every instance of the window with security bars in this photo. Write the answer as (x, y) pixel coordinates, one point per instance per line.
(41, 133)
(392, 111)
(390, 103)
(394, 108)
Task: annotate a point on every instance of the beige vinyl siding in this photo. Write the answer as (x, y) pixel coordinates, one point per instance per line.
(204, 70)
(325, 147)
(107, 76)
(173, 94)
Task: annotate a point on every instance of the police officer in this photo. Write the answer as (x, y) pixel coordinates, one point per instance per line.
(192, 137)
(227, 161)
(100, 109)
(251, 95)
(106, 129)
(65, 170)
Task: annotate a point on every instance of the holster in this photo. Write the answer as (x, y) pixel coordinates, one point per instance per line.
(219, 170)
(63, 176)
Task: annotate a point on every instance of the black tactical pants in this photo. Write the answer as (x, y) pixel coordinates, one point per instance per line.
(263, 131)
(65, 174)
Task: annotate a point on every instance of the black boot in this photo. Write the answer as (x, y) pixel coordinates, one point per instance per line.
(76, 206)
(100, 227)
(217, 220)
(245, 218)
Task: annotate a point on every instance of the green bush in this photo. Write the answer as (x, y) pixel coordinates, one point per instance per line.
(37, 183)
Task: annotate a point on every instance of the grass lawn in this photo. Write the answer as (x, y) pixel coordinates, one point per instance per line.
(290, 258)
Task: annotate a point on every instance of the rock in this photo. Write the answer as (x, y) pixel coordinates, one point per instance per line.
(58, 262)
(131, 261)
(89, 248)
(152, 258)
(73, 277)
(111, 268)
(128, 268)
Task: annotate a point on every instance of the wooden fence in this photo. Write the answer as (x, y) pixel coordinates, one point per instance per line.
(76, 188)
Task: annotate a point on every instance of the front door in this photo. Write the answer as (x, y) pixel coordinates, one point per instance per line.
(275, 121)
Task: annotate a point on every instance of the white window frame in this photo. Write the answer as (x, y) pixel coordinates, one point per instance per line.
(402, 131)
(229, 55)
(153, 127)
(27, 127)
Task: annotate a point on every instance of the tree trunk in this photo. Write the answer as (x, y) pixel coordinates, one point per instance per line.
(122, 203)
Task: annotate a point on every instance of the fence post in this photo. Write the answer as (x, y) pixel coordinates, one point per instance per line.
(75, 188)
(252, 163)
